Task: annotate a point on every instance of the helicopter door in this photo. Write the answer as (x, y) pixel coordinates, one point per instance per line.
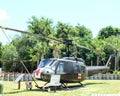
(60, 68)
(65, 69)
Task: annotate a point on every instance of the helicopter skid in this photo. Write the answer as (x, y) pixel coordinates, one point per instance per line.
(62, 87)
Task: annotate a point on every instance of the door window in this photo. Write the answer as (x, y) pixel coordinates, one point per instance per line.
(54, 65)
(60, 68)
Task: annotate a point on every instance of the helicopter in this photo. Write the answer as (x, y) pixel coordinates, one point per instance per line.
(70, 69)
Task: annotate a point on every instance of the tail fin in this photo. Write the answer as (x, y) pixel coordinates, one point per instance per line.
(108, 62)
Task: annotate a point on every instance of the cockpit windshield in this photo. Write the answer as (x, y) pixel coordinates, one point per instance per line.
(51, 63)
(44, 62)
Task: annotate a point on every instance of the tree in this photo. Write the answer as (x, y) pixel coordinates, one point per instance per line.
(113, 47)
(63, 32)
(98, 45)
(0, 54)
(83, 37)
(23, 46)
(108, 31)
(9, 54)
(84, 33)
(41, 26)
(80, 35)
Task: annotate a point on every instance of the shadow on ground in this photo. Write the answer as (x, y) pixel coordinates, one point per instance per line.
(14, 92)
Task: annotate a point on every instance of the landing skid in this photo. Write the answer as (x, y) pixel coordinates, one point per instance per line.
(81, 84)
(49, 88)
(63, 86)
(43, 87)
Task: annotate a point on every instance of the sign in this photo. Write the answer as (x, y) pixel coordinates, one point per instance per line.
(19, 78)
(55, 80)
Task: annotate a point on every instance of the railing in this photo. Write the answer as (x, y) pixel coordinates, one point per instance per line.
(105, 77)
(13, 76)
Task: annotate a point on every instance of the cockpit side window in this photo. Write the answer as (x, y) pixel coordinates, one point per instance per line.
(69, 67)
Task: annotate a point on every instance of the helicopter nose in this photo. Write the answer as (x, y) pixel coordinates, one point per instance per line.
(37, 72)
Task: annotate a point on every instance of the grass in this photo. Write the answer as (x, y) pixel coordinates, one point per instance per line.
(91, 87)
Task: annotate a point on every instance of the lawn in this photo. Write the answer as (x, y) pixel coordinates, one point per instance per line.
(90, 87)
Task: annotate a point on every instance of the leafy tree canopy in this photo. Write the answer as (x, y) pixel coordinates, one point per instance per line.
(0, 49)
(108, 31)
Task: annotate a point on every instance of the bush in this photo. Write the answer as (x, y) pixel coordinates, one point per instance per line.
(1, 88)
(116, 72)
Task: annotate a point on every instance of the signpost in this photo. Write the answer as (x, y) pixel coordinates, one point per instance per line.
(18, 79)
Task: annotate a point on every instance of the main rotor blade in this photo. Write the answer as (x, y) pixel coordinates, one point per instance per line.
(31, 34)
(82, 46)
(67, 42)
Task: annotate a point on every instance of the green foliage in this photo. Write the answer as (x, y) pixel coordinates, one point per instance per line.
(84, 33)
(63, 31)
(41, 26)
(1, 88)
(116, 72)
(0, 49)
(31, 49)
(0, 54)
(9, 54)
(108, 31)
(79, 35)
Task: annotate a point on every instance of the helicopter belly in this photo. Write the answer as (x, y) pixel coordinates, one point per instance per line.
(72, 78)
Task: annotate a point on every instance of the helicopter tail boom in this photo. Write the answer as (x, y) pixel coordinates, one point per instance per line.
(92, 70)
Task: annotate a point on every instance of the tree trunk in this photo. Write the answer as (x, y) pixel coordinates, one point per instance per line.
(38, 59)
(91, 62)
(97, 60)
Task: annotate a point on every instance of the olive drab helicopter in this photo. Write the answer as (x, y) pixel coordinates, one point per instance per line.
(70, 69)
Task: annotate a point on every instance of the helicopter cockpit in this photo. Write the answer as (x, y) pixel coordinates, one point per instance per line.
(61, 66)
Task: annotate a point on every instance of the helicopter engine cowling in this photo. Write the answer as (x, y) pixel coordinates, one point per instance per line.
(47, 71)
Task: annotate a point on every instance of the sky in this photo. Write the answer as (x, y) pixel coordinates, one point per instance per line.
(94, 14)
